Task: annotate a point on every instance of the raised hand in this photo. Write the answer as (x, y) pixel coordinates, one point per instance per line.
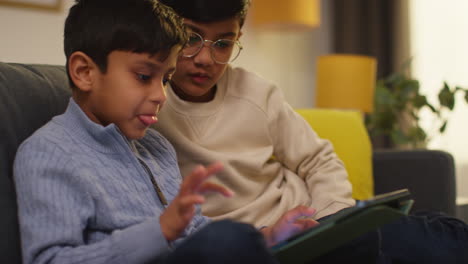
(181, 210)
(292, 222)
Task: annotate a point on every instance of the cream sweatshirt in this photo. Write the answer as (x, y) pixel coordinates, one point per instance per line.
(273, 159)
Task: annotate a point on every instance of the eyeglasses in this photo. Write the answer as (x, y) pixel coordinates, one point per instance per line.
(222, 50)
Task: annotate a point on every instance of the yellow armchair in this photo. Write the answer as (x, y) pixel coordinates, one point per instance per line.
(346, 131)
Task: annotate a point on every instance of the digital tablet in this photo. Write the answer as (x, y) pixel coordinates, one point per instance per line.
(344, 226)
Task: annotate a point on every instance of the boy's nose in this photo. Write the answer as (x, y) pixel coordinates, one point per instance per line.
(204, 55)
(158, 93)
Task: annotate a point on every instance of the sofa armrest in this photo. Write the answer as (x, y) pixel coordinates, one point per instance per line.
(428, 174)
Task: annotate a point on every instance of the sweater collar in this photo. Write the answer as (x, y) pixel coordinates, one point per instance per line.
(200, 109)
(107, 139)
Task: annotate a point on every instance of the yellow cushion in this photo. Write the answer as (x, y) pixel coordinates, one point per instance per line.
(346, 131)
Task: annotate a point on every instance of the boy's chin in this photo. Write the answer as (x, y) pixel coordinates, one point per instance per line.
(135, 135)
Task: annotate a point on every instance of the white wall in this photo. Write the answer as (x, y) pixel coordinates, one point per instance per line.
(31, 35)
(287, 58)
(440, 51)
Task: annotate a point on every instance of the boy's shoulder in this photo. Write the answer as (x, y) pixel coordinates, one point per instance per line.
(52, 134)
(250, 86)
(239, 76)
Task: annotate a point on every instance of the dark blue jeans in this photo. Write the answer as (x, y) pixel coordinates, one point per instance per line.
(223, 242)
(425, 237)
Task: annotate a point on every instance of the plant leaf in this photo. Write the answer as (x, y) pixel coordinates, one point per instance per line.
(408, 89)
(433, 109)
(447, 97)
(417, 135)
(394, 78)
(419, 101)
(443, 127)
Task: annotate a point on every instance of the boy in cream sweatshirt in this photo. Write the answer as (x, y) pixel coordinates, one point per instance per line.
(273, 160)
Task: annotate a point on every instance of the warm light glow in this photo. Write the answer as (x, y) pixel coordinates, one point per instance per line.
(346, 82)
(288, 14)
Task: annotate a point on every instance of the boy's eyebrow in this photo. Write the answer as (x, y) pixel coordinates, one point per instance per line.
(219, 36)
(154, 66)
(227, 34)
(148, 64)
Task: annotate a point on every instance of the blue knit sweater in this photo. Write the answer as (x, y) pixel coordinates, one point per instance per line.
(85, 197)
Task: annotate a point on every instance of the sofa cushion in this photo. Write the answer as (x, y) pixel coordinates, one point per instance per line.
(30, 95)
(347, 133)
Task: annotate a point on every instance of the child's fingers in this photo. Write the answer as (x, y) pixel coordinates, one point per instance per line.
(307, 223)
(203, 173)
(193, 181)
(213, 187)
(300, 211)
(214, 168)
(187, 202)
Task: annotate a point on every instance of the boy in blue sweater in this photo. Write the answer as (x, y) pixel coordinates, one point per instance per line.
(95, 185)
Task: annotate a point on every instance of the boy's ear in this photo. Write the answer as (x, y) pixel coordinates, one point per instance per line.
(81, 68)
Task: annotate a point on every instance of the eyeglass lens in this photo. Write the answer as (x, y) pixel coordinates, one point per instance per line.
(222, 50)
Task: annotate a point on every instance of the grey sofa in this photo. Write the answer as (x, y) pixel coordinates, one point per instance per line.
(30, 95)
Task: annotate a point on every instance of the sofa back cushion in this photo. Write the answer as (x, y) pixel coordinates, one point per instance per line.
(30, 95)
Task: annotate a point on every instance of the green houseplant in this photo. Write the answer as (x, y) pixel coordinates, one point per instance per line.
(397, 104)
